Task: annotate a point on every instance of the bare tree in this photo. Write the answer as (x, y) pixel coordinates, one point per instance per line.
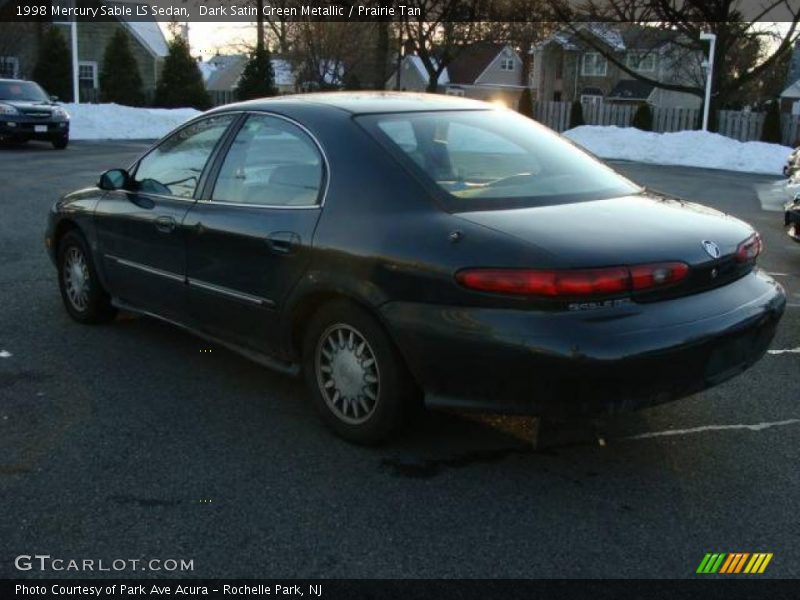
(746, 50)
(438, 30)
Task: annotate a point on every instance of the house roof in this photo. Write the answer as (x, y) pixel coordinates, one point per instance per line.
(793, 91)
(631, 89)
(147, 31)
(468, 65)
(471, 61)
(617, 37)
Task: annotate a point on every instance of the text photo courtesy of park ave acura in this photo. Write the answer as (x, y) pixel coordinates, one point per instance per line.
(424, 298)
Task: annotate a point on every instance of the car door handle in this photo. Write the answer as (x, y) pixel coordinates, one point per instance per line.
(283, 242)
(166, 224)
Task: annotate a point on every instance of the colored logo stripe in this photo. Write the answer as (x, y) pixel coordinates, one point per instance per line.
(710, 563)
(724, 563)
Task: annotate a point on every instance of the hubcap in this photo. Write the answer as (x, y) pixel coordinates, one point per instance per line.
(76, 278)
(347, 373)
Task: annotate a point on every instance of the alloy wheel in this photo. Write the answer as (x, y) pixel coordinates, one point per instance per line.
(347, 373)
(76, 278)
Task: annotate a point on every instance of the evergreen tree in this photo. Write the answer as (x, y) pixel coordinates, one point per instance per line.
(258, 77)
(576, 115)
(120, 81)
(772, 125)
(643, 118)
(525, 105)
(181, 83)
(53, 70)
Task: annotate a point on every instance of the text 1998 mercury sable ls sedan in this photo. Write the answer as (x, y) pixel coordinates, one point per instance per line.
(395, 245)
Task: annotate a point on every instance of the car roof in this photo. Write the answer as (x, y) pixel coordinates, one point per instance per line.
(367, 102)
(6, 80)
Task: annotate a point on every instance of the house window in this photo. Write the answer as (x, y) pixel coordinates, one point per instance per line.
(594, 65)
(641, 61)
(87, 74)
(506, 64)
(9, 67)
(591, 99)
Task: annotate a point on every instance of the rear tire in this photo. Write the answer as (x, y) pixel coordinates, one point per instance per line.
(356, 377)
(84, 297)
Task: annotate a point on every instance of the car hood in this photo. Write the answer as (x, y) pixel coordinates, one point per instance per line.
(648, 227)
(28, 103)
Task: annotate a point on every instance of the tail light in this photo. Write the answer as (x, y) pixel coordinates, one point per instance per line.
(749, 249)
(572, 283)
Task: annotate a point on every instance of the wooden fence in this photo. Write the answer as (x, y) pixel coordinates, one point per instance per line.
(741, 125)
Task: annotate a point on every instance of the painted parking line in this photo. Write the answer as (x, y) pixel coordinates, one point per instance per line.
(784, 351)
(704, 428)
(5, 354)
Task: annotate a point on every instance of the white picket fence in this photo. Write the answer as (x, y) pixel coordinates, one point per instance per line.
(741, 125)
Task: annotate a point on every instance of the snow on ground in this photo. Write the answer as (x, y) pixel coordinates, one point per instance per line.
(683, 148)
(116, 122)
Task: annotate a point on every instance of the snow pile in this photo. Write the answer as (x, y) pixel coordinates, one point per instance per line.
(117, 122)
(683, 148)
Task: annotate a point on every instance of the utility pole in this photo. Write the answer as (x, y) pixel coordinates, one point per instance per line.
(75, 75)
(709, 65)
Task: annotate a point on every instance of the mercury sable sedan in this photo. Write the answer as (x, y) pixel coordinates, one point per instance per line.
(393, 247)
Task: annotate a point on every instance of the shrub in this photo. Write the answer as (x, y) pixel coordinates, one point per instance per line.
(525, 106)
(258, 77)
(120, 80)
(643, 118)
(53, 70)
(772, 125)
(576, 115)
(181, 83)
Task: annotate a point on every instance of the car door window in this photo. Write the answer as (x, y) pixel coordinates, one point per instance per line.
(272, 162)
(175, 166)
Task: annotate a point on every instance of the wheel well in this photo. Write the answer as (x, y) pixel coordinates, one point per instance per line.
(64, 226)
(312, 303)
(305, 310)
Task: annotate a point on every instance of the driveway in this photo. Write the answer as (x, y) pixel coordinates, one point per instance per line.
(138, 441)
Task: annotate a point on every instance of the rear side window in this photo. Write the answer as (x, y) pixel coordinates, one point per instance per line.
(493, 159)
(271, 162)
(175, 166)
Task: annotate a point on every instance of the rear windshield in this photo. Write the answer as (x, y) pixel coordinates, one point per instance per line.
(494, 159)
(22, 90)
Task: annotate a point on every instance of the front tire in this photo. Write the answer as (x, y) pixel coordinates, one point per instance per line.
(84, 297)
(357, 379)
(61, 142)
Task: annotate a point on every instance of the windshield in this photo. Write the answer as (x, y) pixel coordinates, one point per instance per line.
(22, 90)
(497, 159)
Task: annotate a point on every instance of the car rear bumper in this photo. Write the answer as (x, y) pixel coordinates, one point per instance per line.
(586, 362)
(33, 130)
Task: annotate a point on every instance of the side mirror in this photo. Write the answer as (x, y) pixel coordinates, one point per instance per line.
(53, 98)
(115, 179)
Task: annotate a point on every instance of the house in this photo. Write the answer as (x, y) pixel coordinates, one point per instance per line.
(483, 70)
(221, 74)
(790, 97)
(572, 65)
(19, 49)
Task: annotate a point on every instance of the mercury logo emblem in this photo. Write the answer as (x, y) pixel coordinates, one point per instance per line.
(711, 249)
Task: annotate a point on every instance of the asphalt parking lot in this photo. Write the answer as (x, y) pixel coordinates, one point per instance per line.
(137, 441)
